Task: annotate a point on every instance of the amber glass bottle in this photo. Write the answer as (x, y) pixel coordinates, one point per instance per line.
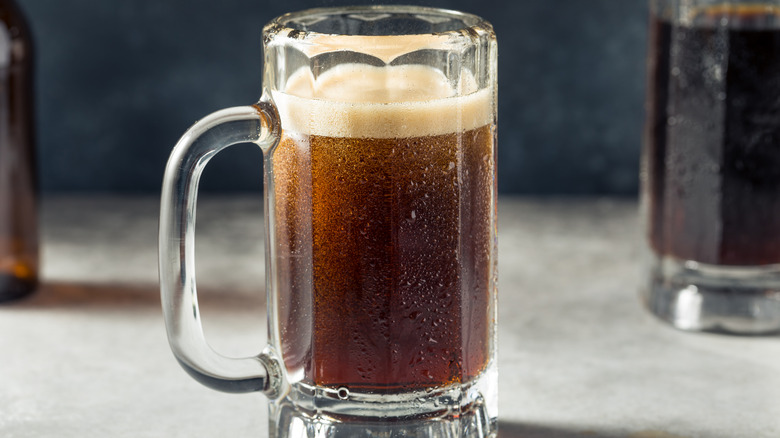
(18, 185)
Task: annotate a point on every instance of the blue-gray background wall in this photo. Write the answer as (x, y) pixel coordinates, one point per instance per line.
(120, 81)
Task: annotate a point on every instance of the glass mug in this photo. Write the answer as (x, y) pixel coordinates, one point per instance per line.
(711, 165)
(378, 129)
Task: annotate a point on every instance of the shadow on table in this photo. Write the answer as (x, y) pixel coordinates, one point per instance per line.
(61, 294)
(518, 430)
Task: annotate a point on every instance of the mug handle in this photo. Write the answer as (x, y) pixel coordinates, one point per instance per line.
(257, 124)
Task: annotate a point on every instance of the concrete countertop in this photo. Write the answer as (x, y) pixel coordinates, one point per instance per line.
(87, 355)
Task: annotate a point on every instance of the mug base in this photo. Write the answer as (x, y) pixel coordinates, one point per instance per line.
(457, 411)
(739, 300)
(286, 421)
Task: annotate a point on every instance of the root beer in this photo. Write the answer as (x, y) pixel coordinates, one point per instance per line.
(385, 202)
(712, 140)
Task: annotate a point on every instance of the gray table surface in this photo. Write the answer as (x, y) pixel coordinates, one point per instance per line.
(87, 355)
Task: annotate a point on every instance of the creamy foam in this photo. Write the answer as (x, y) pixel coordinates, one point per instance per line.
(363, 101)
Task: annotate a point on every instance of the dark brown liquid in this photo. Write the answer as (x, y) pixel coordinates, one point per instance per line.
(18, 194)
(713, 137)
(385, 258)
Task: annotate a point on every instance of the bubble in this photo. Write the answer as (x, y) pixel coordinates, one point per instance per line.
(343, 393)
(717, 72)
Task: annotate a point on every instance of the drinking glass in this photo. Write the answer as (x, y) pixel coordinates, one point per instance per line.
(711, 165)
(378, 131)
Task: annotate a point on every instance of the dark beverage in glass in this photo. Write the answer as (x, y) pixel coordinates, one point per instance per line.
(18, 188)
(711, 166)
(714, 137)
(378, 130)
(384, 243)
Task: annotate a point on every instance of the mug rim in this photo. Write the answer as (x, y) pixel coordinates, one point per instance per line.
(285, 22)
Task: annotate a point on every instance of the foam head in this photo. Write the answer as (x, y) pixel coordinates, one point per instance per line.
(364, 101)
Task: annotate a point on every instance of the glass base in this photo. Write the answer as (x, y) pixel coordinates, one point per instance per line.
(723, 299)
(457, 411)
(286, 421)
(14, 288)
